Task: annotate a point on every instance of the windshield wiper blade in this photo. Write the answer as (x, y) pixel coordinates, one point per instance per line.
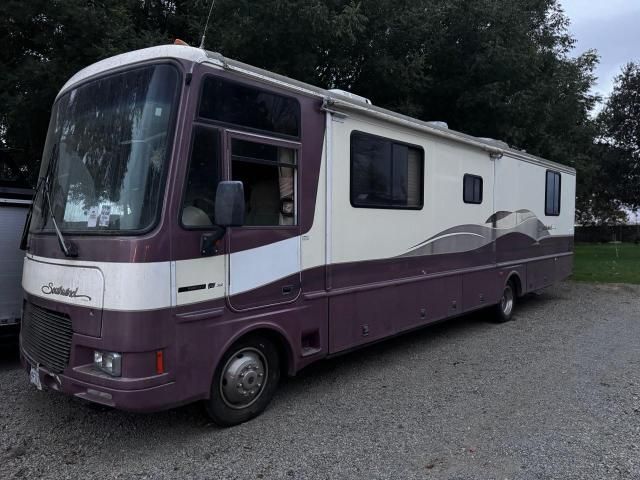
(36, 192)
(68, 248)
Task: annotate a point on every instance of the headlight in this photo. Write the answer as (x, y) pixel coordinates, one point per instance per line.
(108, 362)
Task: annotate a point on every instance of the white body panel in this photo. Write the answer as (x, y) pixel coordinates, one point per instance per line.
(112, 285)
(209, 270)
(509, 185)
(255, 267)
(521, 185)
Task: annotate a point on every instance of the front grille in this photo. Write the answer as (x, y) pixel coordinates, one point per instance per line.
(46, 337)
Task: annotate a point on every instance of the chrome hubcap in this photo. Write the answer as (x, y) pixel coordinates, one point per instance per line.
(507, 301)
(243, 378)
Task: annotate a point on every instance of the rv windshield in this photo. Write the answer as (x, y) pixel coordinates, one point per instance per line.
(108, 144)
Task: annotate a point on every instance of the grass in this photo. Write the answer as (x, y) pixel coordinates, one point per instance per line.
(607, 263)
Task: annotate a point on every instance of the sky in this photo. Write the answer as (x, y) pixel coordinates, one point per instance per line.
(612, 27)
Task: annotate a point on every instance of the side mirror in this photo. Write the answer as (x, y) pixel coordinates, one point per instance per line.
(229, 204)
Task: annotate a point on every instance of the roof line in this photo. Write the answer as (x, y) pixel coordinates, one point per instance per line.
(331, 99)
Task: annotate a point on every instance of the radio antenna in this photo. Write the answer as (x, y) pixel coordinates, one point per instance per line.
(204, 32)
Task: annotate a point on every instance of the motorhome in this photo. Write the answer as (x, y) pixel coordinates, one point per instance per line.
(15, 200)
(203, 227)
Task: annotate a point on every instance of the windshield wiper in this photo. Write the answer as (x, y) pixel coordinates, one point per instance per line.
(41, 180)
(68, 248)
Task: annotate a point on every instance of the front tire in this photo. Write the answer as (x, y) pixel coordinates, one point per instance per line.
(244, 382)
(504, 309)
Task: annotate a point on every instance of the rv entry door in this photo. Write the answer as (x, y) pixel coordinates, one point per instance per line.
(264, 263)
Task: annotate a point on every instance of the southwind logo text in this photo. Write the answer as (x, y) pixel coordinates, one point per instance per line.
(63, 291)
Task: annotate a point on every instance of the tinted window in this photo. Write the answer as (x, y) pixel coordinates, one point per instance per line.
(245, 106)
(552, 194)
(385, 174)
(472, 189)
(202, 180)
(268, 174)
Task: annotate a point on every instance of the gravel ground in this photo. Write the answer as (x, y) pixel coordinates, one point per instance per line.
(553, 394)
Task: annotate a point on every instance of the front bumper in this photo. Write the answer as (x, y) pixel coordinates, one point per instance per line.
(123, 394)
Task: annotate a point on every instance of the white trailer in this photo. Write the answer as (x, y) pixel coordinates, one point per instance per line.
(14, 204)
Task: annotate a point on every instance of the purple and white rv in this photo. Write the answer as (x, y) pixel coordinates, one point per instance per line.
(203, 227)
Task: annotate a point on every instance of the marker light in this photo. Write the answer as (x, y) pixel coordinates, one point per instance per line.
(108, 362)
(159, 361)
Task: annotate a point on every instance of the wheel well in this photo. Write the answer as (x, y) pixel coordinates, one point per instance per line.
(514, 279)
(281, 343)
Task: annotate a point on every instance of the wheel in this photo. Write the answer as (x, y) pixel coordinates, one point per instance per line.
(244, 382)
(504, 309)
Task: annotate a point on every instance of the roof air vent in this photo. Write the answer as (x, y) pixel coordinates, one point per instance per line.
(438, 124)
(494, 142)
(351, 96)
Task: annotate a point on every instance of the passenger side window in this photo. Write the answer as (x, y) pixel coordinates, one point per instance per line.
(198, 205)
(268, 173)
(385, 174)
(472, 189)
(552, 194)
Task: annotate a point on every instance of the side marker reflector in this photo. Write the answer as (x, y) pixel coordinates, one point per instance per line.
(159, 361)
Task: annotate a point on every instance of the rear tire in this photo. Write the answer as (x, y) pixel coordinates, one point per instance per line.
(244, 382)
(504, 308)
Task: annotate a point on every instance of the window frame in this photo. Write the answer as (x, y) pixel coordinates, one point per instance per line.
(546, 192)
(296, 146)
(393, 142)
(464, 184)
(231, 126)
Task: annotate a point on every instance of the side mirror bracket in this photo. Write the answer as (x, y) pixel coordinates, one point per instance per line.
(209, 242)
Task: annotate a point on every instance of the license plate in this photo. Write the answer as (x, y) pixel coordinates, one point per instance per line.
(34, 378)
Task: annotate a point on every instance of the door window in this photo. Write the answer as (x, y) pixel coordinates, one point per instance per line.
(198, 205)
(268, 173)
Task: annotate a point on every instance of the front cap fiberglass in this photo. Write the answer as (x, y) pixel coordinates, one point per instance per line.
(108, 144)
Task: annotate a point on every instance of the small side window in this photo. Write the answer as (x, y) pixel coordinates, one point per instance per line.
(198, 205)
(552, 194)
(472, 189)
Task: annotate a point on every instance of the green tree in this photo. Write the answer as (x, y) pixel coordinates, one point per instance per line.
(44, 43)
(492, 68)
(620, 138)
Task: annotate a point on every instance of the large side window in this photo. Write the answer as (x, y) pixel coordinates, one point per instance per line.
(472, 189)
(268, 173)
(552, 193)
(385, 174)
(230, 102)
(202, 179)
